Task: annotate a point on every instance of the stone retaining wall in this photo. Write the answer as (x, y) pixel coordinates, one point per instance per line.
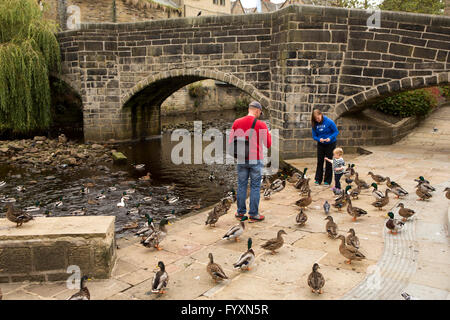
(42, 249)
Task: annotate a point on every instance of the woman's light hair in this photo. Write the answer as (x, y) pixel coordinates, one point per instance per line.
(339, 151)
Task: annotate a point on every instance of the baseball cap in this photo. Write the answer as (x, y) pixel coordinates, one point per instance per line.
(257, 105)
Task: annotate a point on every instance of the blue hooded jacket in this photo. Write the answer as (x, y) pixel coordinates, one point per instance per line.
(326, 129)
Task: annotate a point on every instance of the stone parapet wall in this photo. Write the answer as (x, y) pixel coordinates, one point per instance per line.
(44, 248)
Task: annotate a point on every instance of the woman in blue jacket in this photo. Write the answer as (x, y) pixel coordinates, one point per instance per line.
(324, 131)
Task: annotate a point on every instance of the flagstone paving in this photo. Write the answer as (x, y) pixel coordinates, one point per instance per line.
(416, 261)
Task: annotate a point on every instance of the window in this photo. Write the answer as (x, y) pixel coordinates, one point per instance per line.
(222, 2)
(215, 1)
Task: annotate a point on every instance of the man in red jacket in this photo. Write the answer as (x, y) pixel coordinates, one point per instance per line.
(252, 167)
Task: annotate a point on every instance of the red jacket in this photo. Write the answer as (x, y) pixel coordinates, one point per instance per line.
(261, 134)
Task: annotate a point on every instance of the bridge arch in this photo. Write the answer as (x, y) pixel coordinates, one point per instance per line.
(362, 99)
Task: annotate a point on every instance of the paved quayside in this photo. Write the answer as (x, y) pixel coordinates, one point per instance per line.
(416, 261)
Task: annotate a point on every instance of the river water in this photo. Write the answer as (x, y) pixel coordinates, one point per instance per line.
(189, 182)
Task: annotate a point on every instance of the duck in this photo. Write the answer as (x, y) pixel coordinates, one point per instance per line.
(355, 193)
(302, 179)
(352, 239)
(301, 218)
(349, 252)
(100, 196)
(422, 180)
(148, 228)
(84, 190)
(304, 189)
(393, 224)
(380, 203)
(267, 193)
(348, 180)
(294, 177)
(398, 191)
(20, 188)
(350, 171)
(134, 210)
(236, 231)
(423, 195)
(305, 201)
(2, 183)
(112, 189)
(377, 194)
(160, 279)
(84, 293)
(121, 204)
(341, 201)
(10, 200)
(360, 183)
(265, 182)
(79, 212)
(17, 216)
(376, 177)
(211, 177)
(213, 217)
(278, 185)
(316, 281)
(155, 238)
(58, 203)
(331, 227)
(215, 270)
(171, 200)
(247, 258)
(355, 212)
(146, 177)
(139, 166)
(130, 191)
(34, 208)
(447, 192)
(148, 198)
(326, 208)
(405, 212)
(274, 243)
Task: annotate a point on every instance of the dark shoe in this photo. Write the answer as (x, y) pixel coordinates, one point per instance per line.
(238, 216)
(256, 218)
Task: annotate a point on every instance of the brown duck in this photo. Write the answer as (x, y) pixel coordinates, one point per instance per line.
(376, 177)
(274, 243)
(331, 227)
(301, 218)
(355, 212)
(215, 270)
(360, 183)
(405, 212)
(352, 239)
(350, 252)
(17, 216)
(305, 201)
(447, 192)
(380, 203)
(316, 281)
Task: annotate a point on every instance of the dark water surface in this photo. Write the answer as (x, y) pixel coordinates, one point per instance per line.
(189, 182)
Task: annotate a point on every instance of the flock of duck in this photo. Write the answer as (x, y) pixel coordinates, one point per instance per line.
(152, 237)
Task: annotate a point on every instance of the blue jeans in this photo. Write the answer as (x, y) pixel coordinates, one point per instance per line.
(254, 171)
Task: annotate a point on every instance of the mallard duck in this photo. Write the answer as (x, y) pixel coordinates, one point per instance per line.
(247, 258)
(380, 203)
(213, 217)
(171, 200)
(9, 200)
(83, 294)
(265, 182)
(294, 177)
(58, 203)
(211, 177)
(424, 186)
(301, 218)
(34, 208)
(360, 183)
(236, 231)
(350, 171)
(423, 195)
(331, 227)
(447, 192)
(316, 281)
(348, 181)
(79, 212)
(84, 190)
(148, 228)
(215, 270)
(302, 180)
(267, 193)
(355, 212)
(130, 191)
(305, 201)
(134, 210)
(160, 279)
(352, 238)
(2, 183)
(278, 185)
(20, 188)
(422, 180)
(304, 189)
(155, 238)
(17, 216)
(398, 191)
(355, 193)
(139, 166)
(274, 243)
(326, 208)
(100, 196)
(341, 201)
(148, 198)
(377, 194)
(112, 189)
(405, 212)
(350, 252)
(376, 177)
(393, 224)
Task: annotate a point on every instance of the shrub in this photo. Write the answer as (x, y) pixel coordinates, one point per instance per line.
(197, 90)
(405, 104)
(242, 102)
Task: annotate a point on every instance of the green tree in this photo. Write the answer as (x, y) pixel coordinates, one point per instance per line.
(417, 6)
(29, 51)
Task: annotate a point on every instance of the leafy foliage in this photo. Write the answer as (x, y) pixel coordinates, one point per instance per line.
(410, 103)
(28, 52)
(197, 90)
(417, 6)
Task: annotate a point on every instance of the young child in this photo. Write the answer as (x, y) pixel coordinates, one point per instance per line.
(338, 167)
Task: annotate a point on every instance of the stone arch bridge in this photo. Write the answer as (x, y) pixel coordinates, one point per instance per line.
(290, 60)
